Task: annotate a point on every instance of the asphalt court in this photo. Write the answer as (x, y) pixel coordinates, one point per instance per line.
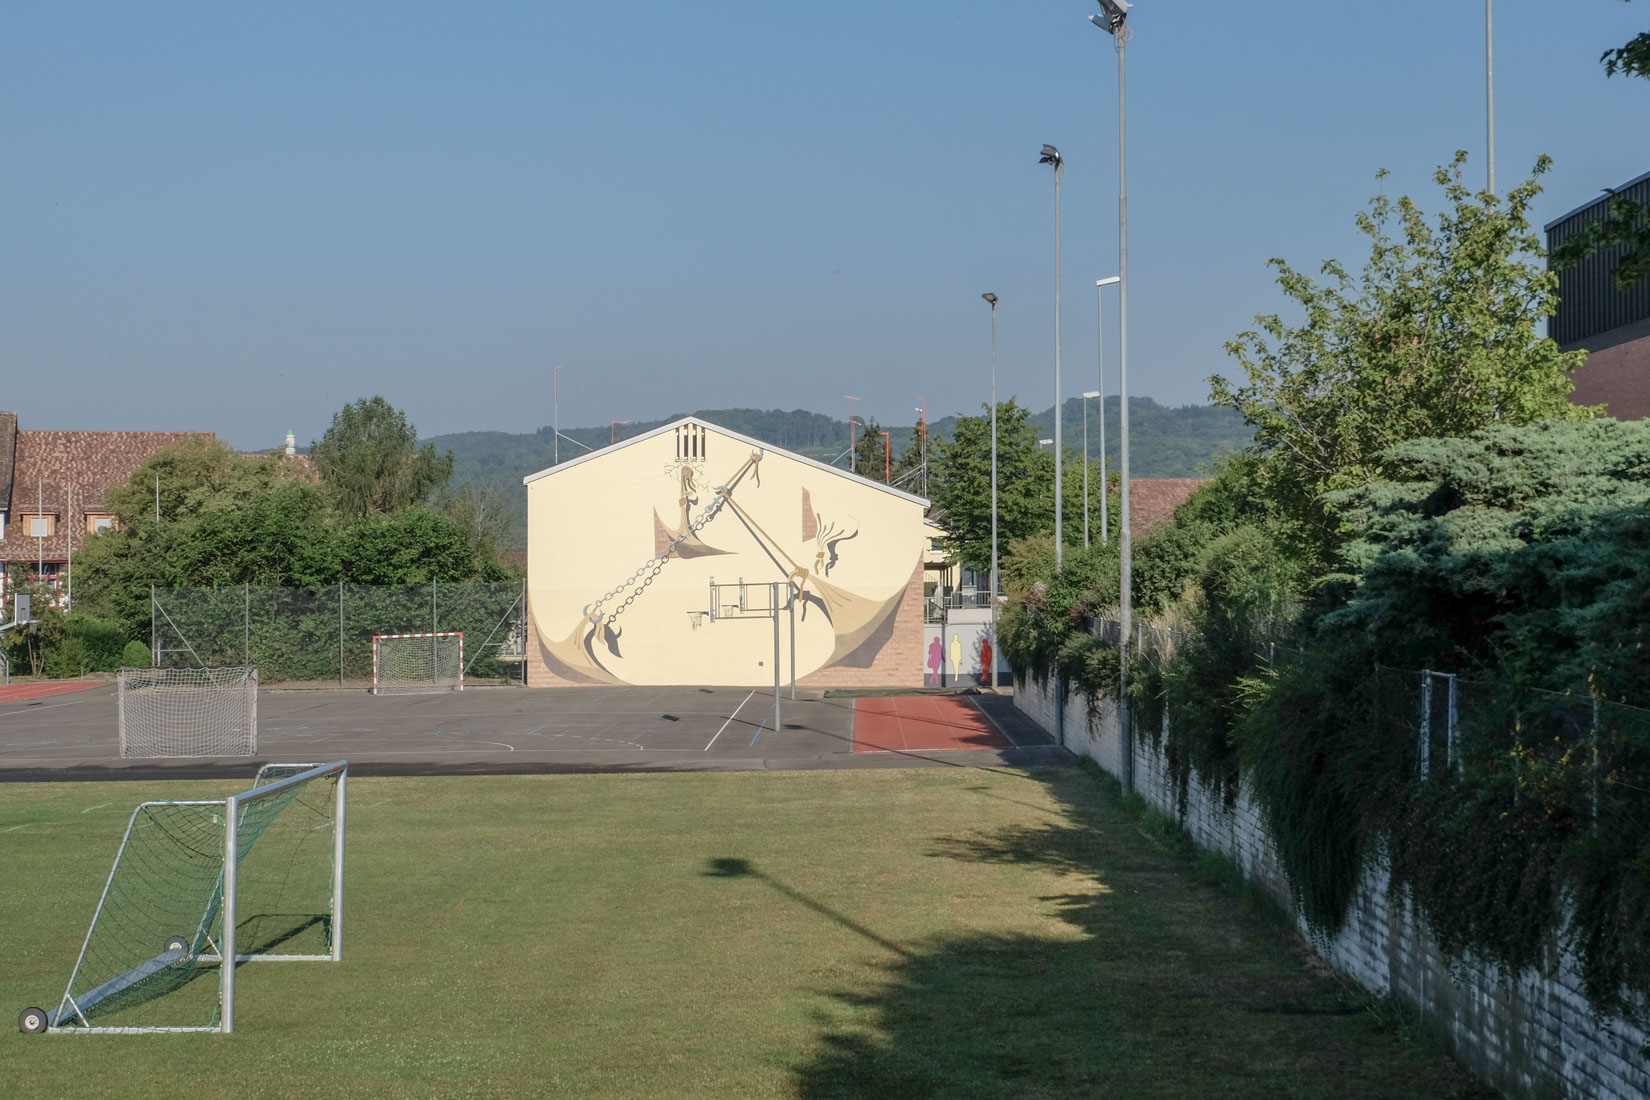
(513, 729)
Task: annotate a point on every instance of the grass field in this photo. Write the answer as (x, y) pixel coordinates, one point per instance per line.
(951, 932)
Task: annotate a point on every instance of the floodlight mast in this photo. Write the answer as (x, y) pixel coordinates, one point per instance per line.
(1051, 156)
(991, 299)
(1114, 22)
(1100, 361)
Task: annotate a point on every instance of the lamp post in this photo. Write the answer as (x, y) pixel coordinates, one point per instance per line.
(992, 300)
(1045, 442)
(1114, 21)
(1051, 156)
(922, 439)
(1086, 396)
(555, 420)
(887, 460)
(851, 399)
(1489, 91)
(1100, 359)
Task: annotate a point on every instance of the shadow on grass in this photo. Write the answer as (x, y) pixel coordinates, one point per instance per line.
(1158, 986)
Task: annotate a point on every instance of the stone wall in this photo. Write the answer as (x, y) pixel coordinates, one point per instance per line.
(1529, 1034)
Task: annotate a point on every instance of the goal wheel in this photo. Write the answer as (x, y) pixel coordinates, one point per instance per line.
(176, 943)
(33, 1021)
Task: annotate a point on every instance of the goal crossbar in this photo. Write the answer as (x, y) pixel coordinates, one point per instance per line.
(279, 782)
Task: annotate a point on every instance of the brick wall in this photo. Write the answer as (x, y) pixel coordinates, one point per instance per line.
(1529, 1034)
(1617, 377)
(899, 662)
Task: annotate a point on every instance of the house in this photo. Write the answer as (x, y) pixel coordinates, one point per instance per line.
(658, 560)
(1612, 324)
(54, 488)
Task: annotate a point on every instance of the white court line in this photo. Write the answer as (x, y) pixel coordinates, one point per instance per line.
(14, 828)
(729, 722)
(993, 722)
(99, 806)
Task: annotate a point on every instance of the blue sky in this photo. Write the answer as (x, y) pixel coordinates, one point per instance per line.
(237, 218)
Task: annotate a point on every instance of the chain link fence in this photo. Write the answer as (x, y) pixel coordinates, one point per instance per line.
(1571, 758)
(325, 633)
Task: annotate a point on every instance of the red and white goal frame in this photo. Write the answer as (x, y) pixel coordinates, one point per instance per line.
(383, 674)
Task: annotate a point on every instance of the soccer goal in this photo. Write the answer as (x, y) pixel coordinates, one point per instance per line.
(414, 664)
(188, 711)
(255, 877)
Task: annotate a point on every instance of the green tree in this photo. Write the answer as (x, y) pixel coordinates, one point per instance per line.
(371, 463)
(486, 513)
(1436, 337)
(411, 546)
(870, 457)
(1633, 59)
(194, 475)
(960, 484)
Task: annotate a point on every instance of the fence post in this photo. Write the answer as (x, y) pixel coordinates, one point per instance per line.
(1593, 738)
(524, 625)
(1426, 721)
(247, 620)
(154, 635)
(434, 628)
(340, 633)
(1454, 733)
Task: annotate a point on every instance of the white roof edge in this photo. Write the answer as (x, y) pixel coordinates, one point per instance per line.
(730, 433)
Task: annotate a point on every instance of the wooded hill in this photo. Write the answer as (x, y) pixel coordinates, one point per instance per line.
(1166, 441)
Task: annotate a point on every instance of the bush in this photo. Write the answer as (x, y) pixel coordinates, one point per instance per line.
(136, 655)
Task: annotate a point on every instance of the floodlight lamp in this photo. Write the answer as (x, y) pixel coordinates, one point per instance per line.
(1108, 280)
(1116, 12)
(990, 297)
(1051, 155)
(1091, 394)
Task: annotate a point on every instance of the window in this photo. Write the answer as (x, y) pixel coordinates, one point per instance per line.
(97, 524)
(38, 527)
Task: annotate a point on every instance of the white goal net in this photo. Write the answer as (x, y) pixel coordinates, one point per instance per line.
(188, 711)
(411, 664)
(199, 886)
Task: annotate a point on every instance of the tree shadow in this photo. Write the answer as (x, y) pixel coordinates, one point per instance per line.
(1147, 983)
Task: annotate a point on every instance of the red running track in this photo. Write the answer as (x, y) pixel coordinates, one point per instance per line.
(12, 693)
(923, 722)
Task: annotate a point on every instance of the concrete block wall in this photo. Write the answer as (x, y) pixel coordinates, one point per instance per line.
(1529, 1034)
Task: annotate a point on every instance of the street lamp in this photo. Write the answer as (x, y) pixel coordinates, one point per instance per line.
(555, 421)
(851, 399)
(1100, 332)
(613, 431)
(1051, 156)
(922, 436)
(992, 300)
(1044, 442)
(1489, 91)
(1114, 22)
(1086, 397)
(887, 460)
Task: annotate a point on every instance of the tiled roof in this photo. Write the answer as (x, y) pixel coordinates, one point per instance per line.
(48, 463)
(1152, 500)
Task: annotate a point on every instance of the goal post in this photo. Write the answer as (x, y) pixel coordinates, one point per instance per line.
(199, 886)
(413, 664)
(186, 712)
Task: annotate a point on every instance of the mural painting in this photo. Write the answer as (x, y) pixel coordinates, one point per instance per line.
(609, 607)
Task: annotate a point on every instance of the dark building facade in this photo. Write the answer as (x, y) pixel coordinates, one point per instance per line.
(1611, 324)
